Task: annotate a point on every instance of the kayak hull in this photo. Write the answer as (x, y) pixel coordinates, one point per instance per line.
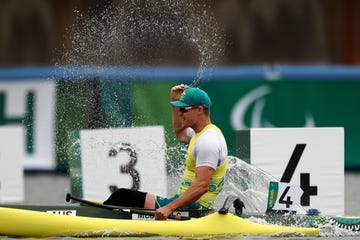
(28, 223)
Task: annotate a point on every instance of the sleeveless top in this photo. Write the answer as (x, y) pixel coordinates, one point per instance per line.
(218, 152)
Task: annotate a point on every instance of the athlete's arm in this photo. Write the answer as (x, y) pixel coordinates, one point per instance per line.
(177, 116)
(192, 194)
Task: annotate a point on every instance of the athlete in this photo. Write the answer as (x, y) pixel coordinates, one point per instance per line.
(206, 159)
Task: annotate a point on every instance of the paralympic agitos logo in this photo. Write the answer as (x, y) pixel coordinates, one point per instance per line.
(255, 101)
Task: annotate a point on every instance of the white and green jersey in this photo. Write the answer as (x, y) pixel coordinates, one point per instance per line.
(206, 148)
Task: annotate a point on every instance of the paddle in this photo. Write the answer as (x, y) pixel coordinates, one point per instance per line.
(148, 212)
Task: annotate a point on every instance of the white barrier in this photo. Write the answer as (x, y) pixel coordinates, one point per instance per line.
(131, 158)
(31, 104)
(310, 157)
(11, 162)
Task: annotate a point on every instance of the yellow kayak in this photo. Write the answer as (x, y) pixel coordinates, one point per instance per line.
(28, 223)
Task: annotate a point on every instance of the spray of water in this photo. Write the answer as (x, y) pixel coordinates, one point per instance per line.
(250, 184)
(244, 181)
(153, 33)
(146, 33)
(127, 34)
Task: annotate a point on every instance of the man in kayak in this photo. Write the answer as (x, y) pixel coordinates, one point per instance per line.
(206, 159)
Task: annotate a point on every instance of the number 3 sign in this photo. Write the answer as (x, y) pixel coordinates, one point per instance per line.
(132, 158)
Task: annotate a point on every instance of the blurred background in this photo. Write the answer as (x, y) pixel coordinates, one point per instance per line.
(230, 48)
(35, 32)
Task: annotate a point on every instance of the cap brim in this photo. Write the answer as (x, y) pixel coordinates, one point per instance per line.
(179, 104)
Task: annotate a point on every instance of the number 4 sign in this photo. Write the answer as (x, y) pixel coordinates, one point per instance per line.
(283, 196)
(312, 158)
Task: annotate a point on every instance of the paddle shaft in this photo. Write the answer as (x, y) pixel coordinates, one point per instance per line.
(147, 212)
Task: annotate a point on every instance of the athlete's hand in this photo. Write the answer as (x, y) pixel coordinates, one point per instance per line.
(176, 91)
(163, 213)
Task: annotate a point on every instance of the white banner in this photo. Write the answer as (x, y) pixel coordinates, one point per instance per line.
(310, 157)
(131, 158)
(11, 170)
(31, 104)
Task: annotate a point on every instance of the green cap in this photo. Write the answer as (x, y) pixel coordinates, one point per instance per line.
(193, 97)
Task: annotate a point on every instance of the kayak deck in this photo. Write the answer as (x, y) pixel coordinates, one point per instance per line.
(29, 223)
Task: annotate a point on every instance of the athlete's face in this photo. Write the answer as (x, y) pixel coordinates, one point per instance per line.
(190, 115)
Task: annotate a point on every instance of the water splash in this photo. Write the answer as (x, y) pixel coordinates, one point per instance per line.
(250, 184)
(131, 34)
(146, 33)
(242, 180)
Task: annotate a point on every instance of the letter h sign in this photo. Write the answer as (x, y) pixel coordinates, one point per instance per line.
(27, 119)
